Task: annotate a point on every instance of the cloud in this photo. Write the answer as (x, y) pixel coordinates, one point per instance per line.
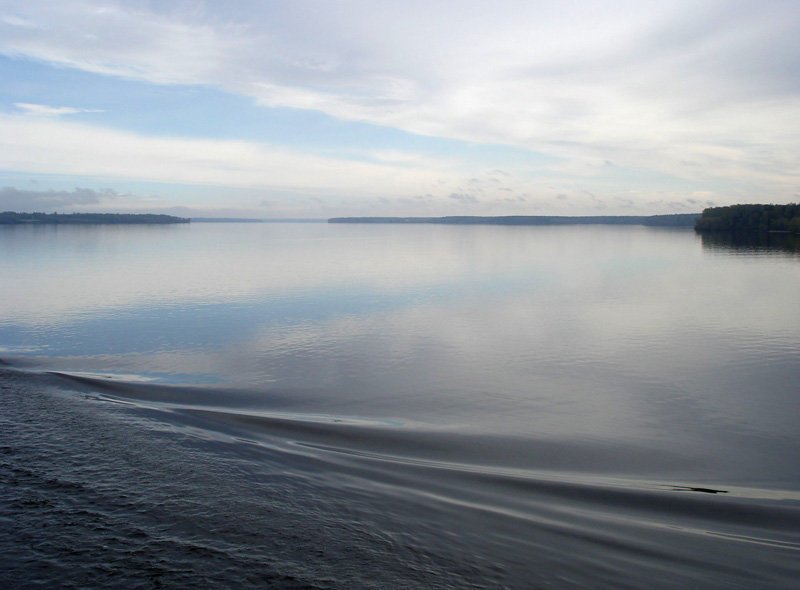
(43, 110)
(649, 86)
(14, 21)
(464, 198)
(13, 199)
(51, 145)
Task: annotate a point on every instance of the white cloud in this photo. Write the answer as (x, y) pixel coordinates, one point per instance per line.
(44, 110)
(648, 85)
(44, 145)
(381, 182)
(15, 21)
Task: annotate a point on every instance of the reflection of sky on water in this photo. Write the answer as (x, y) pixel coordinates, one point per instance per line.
(602, 333)
(215, 264)
(59, 272)
(115, 291)
(198, 325)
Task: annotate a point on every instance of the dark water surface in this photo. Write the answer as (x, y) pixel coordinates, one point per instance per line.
(339, 406)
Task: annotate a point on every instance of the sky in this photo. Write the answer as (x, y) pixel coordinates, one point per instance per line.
(313, 109)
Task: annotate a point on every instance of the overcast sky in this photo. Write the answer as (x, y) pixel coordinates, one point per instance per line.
(314, 109)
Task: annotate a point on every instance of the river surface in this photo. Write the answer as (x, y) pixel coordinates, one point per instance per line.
(398, 406)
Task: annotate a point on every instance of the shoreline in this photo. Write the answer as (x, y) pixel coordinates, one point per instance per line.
(672, 220)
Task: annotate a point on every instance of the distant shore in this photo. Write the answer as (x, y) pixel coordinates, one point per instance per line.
(676, 220)
(13, 218)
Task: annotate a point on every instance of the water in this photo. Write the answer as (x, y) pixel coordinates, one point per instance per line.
(366, 406)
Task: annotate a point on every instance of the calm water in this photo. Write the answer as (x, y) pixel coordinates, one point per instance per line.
(333, 406)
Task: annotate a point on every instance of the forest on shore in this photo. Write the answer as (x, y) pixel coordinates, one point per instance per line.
(13, 218)
(751, 218)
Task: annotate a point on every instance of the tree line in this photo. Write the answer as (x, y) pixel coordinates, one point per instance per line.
(13, 218)
(751, 218)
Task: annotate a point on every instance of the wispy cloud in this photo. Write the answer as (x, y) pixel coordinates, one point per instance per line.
(44, 110)
(15, 21)
(46, 145)
(464, 198)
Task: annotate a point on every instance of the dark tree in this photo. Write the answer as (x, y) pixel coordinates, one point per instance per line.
(751, 218)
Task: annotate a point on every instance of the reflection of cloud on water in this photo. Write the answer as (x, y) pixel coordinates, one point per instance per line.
(60, 273)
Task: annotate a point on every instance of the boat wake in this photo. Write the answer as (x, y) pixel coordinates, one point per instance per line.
(262, 482)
